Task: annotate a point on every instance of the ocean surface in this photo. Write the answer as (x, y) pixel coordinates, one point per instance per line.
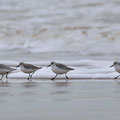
(90, 27)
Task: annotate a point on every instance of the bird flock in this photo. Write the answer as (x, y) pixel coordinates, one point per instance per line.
(57, 68)
(30, 69)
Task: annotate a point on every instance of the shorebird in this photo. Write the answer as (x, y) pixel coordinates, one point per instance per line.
(5, 70)
(59, 69)
(116, 65)
(28, 68)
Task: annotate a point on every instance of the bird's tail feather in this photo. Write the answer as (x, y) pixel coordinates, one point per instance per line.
(39, 67)
(72, 69)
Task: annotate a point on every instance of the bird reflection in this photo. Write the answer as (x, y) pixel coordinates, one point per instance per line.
(118, 82)
(4, 84)
(29, 84)
(62, 84)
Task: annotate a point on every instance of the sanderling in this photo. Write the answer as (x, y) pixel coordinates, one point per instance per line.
(5, 70)
(117, 67)
(59, 69)
(28, 68)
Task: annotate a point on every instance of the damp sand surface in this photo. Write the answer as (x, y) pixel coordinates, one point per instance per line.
(47, 100)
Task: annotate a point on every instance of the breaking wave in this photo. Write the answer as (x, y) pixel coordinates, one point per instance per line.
(86, 26)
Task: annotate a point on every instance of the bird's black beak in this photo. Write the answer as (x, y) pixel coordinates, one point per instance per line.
(18, 66)
(111, 66)
(49, 65)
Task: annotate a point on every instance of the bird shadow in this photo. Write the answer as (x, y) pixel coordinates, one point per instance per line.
(29, 84)
(61, 84)
(4, 84)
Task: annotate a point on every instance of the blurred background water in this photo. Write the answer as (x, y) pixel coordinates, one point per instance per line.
(61, 27)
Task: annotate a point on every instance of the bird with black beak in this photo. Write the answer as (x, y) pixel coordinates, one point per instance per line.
(28, 69)
(116, 65)
(59, 69)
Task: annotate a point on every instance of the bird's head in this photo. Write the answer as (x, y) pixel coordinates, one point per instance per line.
(51, 64)
(21, 63)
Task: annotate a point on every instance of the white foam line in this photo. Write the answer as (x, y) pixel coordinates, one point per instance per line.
(57, 81)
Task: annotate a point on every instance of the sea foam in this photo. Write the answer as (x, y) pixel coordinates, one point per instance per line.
(90, 27)
(84, 69)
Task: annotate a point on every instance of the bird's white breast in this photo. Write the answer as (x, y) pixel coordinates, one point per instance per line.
(58, 70)
(117, 68)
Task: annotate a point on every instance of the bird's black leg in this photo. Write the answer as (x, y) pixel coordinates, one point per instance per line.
(31, 75)
(54, 77)
(7, 76)
(2, 77)
(117, 77)
(66, 76)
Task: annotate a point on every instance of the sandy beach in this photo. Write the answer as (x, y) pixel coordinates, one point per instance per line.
(60, 100)
(91, 92)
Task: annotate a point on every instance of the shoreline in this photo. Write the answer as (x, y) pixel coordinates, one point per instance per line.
(84, 69)
(58, 80)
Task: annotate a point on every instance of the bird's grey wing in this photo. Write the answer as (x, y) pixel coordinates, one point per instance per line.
(29, 66)
(2, 66)
(12, 69)
(64, 67)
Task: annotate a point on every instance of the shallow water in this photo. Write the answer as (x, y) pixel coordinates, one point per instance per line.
(57, 100)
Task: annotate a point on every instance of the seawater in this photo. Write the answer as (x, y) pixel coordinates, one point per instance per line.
(90, 27)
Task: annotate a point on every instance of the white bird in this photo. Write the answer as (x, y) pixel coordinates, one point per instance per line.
(59, 69)
(116, 65)
(28, 69)
(5, 70)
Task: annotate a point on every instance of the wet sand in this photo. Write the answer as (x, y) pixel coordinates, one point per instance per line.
(47, 100)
